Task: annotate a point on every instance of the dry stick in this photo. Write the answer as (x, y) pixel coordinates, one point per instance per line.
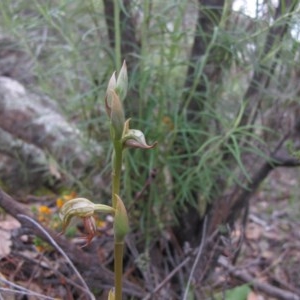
(263, 287)
(57, 272)
(54, 244)
(21, 290)
(161, 285)
(186, 292)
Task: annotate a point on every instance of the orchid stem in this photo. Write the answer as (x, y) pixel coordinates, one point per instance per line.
(118, 246)
(118, 269)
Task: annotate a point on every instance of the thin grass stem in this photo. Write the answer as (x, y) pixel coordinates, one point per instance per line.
(117, 30)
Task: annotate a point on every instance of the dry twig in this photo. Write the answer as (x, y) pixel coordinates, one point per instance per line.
(263, 287)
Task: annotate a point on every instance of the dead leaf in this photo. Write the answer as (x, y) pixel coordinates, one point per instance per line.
(253, 231)
(253, 296)
(5, 243)
(6, 225)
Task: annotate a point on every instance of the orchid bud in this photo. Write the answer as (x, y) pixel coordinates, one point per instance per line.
(111, 87)
(117, 116)
(121, 224)
(122, 82)
(112, 84)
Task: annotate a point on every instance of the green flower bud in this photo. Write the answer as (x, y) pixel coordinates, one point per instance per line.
(111, 87)
(122, 82)
(121, 224)
(112, 84)
(117, 116)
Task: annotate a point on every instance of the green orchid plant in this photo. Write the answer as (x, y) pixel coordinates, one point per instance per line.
(122, 137)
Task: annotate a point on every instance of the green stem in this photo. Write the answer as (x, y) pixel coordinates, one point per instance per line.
(119, 248)
(117, 34)
(117, 167)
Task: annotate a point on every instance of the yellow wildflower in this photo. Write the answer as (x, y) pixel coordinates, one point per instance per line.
(45, 210)
(61, 200)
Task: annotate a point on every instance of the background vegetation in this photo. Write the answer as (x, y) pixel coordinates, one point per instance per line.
(216, 88)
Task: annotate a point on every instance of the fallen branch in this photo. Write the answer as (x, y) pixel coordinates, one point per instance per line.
(263, 287)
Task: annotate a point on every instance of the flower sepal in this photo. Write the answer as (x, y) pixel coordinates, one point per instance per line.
(134, 138)
(122, 82)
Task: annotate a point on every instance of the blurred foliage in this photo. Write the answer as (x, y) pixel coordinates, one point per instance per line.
(69, 45)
